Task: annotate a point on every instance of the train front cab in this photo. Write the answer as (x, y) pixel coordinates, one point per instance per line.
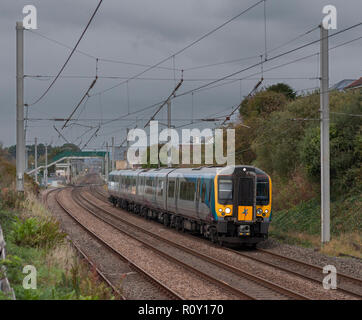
(243, 205)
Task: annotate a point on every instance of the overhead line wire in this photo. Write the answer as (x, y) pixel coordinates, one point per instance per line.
(80, 102)
(186, 47)
(270, 59)
(71, 54)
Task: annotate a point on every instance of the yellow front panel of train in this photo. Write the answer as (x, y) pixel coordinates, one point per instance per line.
(245, 213)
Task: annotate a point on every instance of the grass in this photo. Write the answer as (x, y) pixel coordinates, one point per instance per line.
(33, 238)
(301, 225)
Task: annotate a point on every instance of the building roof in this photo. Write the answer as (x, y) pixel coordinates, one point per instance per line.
(355, 84)
(341, 85)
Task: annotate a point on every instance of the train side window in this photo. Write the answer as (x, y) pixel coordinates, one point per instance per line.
(210, 188)
(203, 192)
(149, 187)
(187, 191)
(160, 188)
(198, 190)
(171, 189)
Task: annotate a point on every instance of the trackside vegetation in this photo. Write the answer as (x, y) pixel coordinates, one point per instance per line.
(33, 237)
(284, 140)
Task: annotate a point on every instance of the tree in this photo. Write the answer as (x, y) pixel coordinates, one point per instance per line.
(262, 104)
(284, 89)
(345, 145)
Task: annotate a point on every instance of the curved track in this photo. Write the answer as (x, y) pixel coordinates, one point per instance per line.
(115, 290)
(346, 284)
(257, 288)
(170, 293)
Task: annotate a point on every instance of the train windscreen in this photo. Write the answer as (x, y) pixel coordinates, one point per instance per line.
(262, 193)
(225, 189)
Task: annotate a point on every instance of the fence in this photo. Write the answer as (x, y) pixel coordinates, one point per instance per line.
(4, 282)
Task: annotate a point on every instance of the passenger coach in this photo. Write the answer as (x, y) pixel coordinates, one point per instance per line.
(227, 205)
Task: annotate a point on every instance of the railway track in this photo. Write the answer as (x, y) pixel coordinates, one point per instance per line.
(170, 293)
(346, 284)
(115, 290)
(232, 279)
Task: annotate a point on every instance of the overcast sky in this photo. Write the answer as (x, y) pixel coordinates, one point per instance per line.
(145, 32)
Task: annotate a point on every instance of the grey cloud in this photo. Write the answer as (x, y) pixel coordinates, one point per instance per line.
(145, 32)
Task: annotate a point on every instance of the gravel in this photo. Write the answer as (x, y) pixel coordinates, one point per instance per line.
(175, 277)
(348, 266)
(302, 286)
(133, 285)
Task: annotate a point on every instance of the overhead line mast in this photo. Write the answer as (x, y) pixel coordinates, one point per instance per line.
(20, 134)
(325, 154)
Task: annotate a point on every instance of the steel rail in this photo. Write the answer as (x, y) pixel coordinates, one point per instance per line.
(83, 254)
(285, 269)
(246, 275)
(320, 269)
(169, 292)
(201, 274)
(296, 273)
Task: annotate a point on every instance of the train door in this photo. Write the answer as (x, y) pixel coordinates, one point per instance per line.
(198, 198)
(204, 209)
(245, 197)
(177, 195)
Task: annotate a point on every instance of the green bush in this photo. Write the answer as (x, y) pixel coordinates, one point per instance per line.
(13, 264)
(306, 217)
(35, 232)
(284, 89)
(345, 150)
(263, 104)
(276, 144)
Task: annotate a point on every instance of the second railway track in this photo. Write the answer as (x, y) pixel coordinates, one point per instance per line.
(233, 279)
(349, 285)
(168, 292)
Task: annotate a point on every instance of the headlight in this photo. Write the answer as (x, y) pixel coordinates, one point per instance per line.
(259, 211)
(266, 210)
(220, 210)
(227, 210)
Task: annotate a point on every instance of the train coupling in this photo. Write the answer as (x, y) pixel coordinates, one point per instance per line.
(244, 230)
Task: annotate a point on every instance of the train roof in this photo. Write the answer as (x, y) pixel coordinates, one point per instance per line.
(205, 170)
